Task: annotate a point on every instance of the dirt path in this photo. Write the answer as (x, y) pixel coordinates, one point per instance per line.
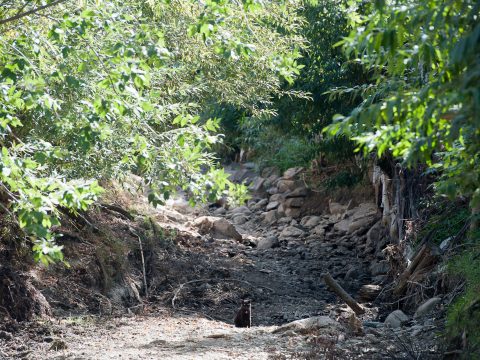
(167, 337)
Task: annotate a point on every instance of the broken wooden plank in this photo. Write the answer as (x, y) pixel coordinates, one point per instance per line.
(337, 289)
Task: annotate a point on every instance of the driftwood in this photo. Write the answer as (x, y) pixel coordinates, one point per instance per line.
(143, 260)
(337, 289)
(423, 260)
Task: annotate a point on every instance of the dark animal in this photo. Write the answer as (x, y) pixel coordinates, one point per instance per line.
(244, 315)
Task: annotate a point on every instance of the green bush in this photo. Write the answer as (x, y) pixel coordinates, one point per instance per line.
(464, 314)
(285, 152)
(344, 178)
(444, 220)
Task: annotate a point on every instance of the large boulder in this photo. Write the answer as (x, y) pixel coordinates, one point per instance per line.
(285, 185)
(257, 184)
(359, 217)
(291, 231)
(292, 173)
(217, 227)
(337, 208)
(269, 217)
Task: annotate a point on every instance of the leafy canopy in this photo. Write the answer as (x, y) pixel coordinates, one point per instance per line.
(424, 103)
(96, 90)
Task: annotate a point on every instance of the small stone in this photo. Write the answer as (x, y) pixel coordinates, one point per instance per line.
(293, 212)
(271, 181)
(395, 319)
(273, 190)
(267, 243)
(272, 205)
(294, 202)
(337, 208)
(241, 210)
(277, 197)
(298, 192)
(427, 307)
(445, 243)
(240, 175)
(240, 219)
(351, 274)
(257, 184)
(318, 230)
(310, 221)
(259, 205)
(220, 211)
(281, 210)
(285, 220)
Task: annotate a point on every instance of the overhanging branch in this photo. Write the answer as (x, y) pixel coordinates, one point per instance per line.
(30, 12)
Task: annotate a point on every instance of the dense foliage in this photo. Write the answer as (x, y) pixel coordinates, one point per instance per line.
(294, 130)
(424, 106)
(424, 103)
(93, 90)
(96, 90)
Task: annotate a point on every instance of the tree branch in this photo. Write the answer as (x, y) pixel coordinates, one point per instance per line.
(30, 12)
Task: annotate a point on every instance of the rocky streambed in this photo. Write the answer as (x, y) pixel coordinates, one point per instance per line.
(273, 251)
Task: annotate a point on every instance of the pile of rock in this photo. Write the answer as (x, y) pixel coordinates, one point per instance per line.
(285, 195)
(348, 241)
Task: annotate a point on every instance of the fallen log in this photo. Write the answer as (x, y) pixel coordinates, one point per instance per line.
(337, 289)
(422, 261)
